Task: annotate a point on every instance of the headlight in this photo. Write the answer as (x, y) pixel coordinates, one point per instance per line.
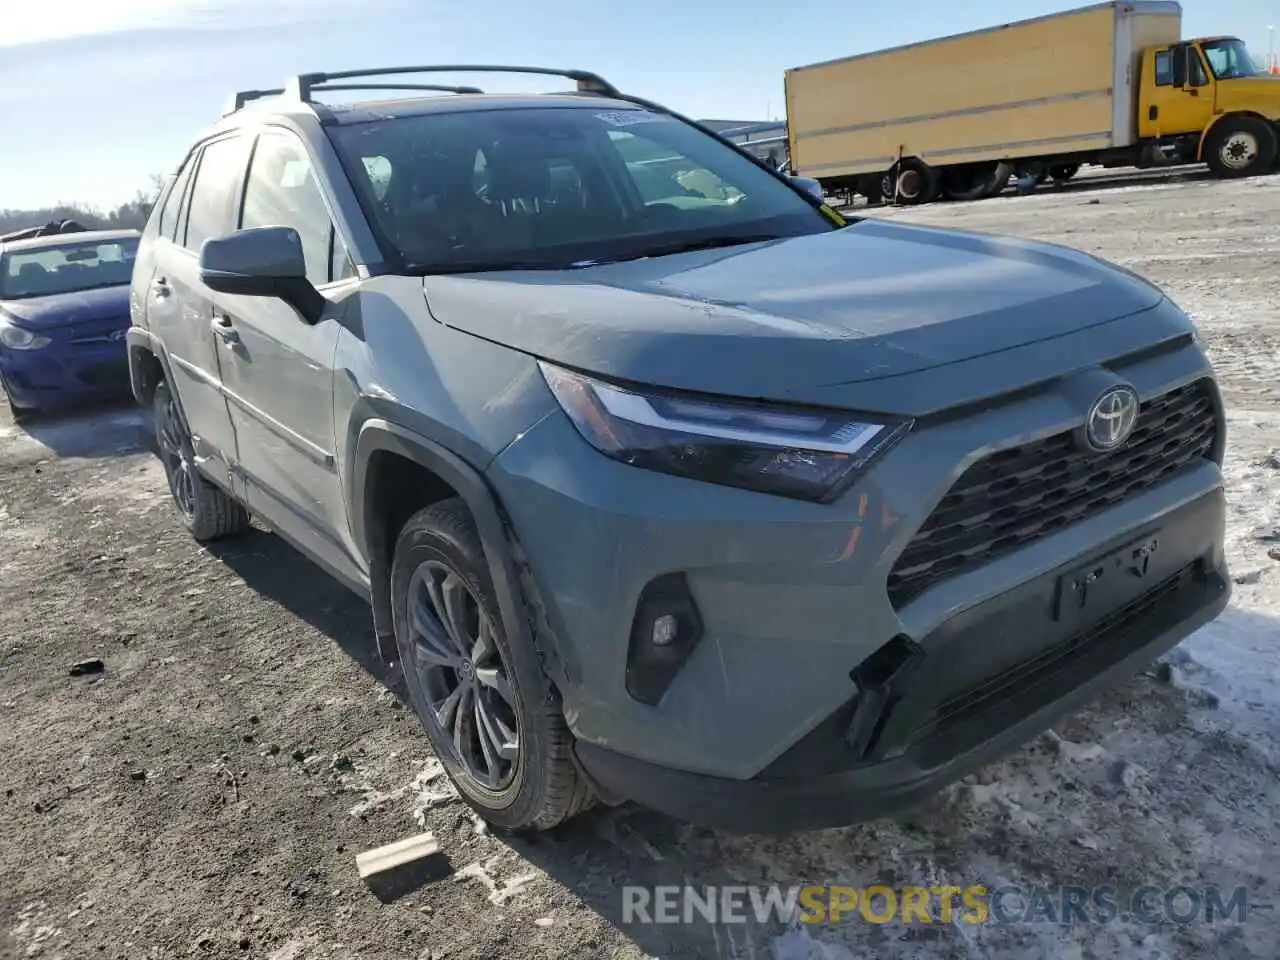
(804, 454)
(18, 338)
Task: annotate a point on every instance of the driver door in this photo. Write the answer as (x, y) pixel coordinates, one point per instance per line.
(1171, 109)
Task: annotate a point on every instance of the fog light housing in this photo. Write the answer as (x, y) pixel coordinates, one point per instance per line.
(664, 633)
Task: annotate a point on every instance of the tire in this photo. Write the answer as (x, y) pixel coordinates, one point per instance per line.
(1064, 172)
(206, 510)
(497, 686)
(916, 183)
(19, 414)
(1240, 147)
(1000, 181)
(975, 182)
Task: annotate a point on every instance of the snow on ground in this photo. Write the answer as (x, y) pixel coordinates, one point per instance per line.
(207, 794)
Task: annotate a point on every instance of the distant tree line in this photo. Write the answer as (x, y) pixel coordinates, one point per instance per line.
(132, 214)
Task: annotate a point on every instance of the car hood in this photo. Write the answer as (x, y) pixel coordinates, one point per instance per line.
(785, 318)
(63, 309)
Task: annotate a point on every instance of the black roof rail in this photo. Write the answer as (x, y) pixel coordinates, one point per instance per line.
(302, 86)
(241, 97)
(443, 88)
(50, 229)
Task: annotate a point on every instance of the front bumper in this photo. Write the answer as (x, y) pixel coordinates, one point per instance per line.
(56, 377)
(793, 598)
(987, 680)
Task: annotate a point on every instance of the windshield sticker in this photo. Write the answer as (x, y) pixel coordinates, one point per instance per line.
(629, 118)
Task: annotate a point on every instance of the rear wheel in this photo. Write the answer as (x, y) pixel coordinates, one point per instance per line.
(207, 511)
(916, 182)
(1240, 147)
(491, 713)
(975, 181)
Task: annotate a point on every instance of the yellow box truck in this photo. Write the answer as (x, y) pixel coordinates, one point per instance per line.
(1111, 84)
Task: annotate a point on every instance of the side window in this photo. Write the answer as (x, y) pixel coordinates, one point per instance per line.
(173, 202)
(282, 192)
(217, 182)
(1164, 68)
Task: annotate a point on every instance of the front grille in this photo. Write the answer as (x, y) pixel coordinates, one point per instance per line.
(99, 332)
(1018, 495)
(106, 374)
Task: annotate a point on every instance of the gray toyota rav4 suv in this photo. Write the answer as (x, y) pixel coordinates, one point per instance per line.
(664, 481)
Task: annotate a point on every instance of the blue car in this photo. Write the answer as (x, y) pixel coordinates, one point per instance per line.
(64, 310)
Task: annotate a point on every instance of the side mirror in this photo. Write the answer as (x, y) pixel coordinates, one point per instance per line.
(810, 186)
(1179, 57)
(262, 262)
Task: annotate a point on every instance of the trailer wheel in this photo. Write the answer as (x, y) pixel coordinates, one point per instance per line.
(1240, 147)
(1001, 179)
(1064, 172)
(917, 182)
(974, 181)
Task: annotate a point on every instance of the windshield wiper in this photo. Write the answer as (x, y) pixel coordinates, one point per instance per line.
(687, 246)
(484, 266)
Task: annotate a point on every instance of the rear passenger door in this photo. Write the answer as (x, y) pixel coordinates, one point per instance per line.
(278, 370)
(179, 308)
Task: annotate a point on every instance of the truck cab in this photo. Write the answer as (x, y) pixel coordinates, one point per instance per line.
(1213, 101)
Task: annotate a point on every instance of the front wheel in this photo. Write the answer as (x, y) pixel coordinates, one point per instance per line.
(20, 414)
(1241, 147)
(489, 710)
(206, 511)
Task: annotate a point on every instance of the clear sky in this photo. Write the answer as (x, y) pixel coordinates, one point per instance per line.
(97, 94)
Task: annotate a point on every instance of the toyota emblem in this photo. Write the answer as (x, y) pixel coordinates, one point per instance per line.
(1111, 418)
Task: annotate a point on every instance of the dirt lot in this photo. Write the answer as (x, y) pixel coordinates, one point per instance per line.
(207, 793)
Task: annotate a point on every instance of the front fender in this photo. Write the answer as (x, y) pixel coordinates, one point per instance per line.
(376, 434)
(1209, 128)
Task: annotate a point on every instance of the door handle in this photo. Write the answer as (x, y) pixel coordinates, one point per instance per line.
(223, 327)
(160, 286)
(1153, 112)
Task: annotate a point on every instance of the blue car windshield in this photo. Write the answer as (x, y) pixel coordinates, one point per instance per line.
(46, 271)
(553, 187)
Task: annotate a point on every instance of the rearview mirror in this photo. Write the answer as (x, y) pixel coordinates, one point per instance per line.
(262, 262)
(810, 186)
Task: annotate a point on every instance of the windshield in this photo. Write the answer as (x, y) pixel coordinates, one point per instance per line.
(1229, 59)
(560, 186)
(66, 268)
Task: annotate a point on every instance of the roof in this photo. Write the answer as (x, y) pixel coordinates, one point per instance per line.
(71, 239)
(365, 111)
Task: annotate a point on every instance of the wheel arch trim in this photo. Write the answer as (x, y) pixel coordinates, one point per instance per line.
(1213, 124)
(377, 435)
(140, 342)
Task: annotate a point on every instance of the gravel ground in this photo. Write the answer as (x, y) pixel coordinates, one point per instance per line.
(206, 794)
